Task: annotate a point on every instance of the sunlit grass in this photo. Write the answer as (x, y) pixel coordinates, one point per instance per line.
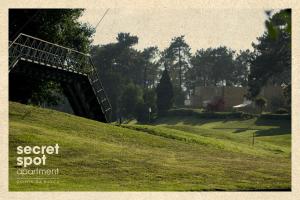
(174, 154)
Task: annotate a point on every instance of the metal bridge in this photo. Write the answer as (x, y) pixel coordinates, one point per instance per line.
(33, 57)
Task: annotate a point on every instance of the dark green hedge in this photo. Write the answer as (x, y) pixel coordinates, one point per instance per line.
(276, 116)
(185, 112)
(200, 114)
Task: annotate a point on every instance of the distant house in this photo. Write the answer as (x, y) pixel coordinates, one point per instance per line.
(234, 97)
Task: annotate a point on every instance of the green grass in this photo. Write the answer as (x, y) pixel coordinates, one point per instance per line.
(174, 154)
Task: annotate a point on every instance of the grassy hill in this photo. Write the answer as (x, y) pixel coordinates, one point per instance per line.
(174, 154)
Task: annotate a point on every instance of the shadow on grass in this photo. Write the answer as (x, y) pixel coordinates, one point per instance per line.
(279, 127)
(283, 127)
(263, 127)
(239, 130)
(191, 120)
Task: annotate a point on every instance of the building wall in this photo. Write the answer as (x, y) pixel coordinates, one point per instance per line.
(233, 95)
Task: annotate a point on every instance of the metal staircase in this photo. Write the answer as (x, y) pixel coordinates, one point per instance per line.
(45, 54)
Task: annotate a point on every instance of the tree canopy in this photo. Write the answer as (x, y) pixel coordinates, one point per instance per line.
(59, 26)
(135, 80)
(164, 93)
(272, 59)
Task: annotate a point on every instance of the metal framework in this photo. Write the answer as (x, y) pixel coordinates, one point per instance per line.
(35, 50)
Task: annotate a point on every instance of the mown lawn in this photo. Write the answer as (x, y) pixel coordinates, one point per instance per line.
(174, 154)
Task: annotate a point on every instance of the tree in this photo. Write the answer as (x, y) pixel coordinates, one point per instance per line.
(272, 62)
(213, 67)
(149, 97)
(131, 96)
(261, 102)
(120, 64)
(142, 108)
(164, 93)
(59, 26)
(242, 65)
(151, 56)
(141, 112)
(177, 58)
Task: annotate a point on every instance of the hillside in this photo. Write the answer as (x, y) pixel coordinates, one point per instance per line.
(174, 154)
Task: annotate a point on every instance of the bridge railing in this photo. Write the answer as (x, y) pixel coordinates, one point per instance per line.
(35, 50)
(40, 51)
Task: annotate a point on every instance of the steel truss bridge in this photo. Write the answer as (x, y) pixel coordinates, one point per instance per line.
(31, 57)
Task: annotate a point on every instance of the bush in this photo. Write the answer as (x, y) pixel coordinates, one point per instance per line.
(149, 97)
(205, 115)
(281, 111)
(261, 102)
(179, 96)
(276, 102)
(131, 96)
(246, 115)
(216, 105)
(276, 116)
(141, 112)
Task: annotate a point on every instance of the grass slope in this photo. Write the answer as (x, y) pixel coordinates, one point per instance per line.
(171, 155)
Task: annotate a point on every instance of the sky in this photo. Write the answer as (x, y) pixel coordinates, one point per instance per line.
(203, 28)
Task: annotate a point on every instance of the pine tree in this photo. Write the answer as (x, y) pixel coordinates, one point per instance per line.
(164, 93)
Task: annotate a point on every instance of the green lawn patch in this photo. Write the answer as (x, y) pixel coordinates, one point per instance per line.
(174, 154)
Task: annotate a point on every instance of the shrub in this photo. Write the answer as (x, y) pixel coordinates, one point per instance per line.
(246, 115)
(204, 115)
(131, 96)
(149, 97)
(276, 116)
(216, 105)
(281, 111)
(261, 102)
(141, 112)
(276, 102)
(179, 96)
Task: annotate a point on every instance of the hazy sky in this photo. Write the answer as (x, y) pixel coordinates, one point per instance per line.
(203, 28)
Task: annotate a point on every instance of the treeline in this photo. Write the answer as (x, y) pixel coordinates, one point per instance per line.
(130, 77)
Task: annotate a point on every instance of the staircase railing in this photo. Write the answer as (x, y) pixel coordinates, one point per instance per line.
(35, 50)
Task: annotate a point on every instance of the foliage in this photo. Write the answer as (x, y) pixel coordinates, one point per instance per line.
(131, 96)
(164, 93)
(179, 96)
(287, 92)
(219, 66)
(142, 107)
(59, 26)
(142, 112)
(176, 59)
(216, 105)
(272, 62)
(281, 111)
(149, 97)
(261, 102)
(281, 116)
(120, 64)
(199, 114)
(276, 102)
(49, 94)
(151, 56)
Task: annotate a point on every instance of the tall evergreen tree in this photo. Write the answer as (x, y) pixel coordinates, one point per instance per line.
(164, 93)
(177, 58)
(272, 62)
